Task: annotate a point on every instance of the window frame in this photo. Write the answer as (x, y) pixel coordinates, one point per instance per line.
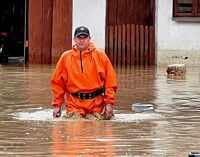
(198, 8)
(195, 9)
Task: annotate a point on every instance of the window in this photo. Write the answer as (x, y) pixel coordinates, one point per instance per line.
(186, 8)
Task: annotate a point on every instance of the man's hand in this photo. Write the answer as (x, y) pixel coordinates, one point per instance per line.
(108, 111)
(56, 112)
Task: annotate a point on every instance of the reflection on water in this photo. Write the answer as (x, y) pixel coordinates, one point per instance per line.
(25, 92)
(83, 138)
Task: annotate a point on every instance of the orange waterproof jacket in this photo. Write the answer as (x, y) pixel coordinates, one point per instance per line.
(84, 71)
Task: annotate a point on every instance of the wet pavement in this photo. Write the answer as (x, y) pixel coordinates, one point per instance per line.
(170, 130)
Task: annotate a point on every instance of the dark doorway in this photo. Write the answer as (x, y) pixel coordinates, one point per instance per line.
(130, 32)
(12, 23)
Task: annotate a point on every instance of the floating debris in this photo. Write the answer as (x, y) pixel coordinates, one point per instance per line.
(176, 69)
(140, 107)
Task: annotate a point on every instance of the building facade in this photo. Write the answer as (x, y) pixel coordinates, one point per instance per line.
(175, 37)
(132, 32)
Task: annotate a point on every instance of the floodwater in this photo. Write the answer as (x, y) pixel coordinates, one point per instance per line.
(172, 129)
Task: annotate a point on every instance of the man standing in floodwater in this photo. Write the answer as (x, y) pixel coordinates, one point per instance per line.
(85, 77)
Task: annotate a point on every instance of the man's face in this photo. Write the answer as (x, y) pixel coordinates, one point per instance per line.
(82, 42)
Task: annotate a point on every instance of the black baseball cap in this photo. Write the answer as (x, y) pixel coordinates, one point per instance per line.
(82, 30)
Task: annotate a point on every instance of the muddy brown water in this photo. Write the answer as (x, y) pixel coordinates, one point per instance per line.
(173, 130)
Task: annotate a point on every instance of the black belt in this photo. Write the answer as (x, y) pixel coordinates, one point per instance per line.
(91, 95)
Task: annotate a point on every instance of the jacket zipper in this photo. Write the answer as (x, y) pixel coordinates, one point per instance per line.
(81, 61)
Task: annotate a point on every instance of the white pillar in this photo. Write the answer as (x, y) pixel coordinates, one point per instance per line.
(92, 14)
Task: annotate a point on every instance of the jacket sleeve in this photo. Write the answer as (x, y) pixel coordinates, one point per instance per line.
(58, 83)
(110, 82)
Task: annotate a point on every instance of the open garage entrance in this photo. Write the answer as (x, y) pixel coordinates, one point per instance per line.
(13, 28)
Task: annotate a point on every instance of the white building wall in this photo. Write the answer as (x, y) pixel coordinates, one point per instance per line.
(175, 40)
(91, 13)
